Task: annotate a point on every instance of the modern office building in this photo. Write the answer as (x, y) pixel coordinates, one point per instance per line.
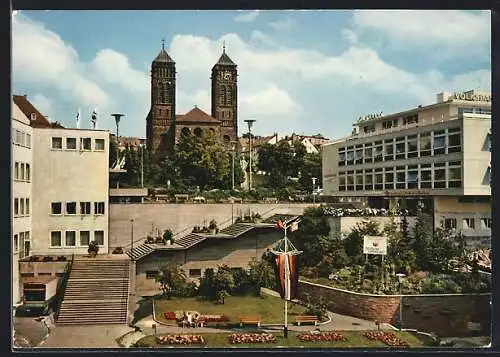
(70, 190)
(22, 168)
(437, 154)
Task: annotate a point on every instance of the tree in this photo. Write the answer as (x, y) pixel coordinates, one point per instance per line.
(277, 162)
(223, 282)
(171, 279)
(353, 243)
(311, 167)
(261, 275)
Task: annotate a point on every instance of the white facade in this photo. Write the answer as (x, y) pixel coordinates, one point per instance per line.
(22, 203)
(71, 190)
(441, 151)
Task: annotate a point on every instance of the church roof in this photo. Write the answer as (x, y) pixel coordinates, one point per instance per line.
(225, 60)
(37, 120)
(163, 57)
(196, 115)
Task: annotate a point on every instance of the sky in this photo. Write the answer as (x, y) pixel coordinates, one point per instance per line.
(303, 72)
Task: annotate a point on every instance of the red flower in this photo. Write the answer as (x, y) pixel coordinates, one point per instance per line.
(169, 315)
(237, 338)
(180, 340)
(388, 338)
(321, 337)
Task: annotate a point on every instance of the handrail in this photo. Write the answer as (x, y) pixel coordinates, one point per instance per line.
(64, 283)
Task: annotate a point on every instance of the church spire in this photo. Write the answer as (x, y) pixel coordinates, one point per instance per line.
(224, 58)
(163, 55)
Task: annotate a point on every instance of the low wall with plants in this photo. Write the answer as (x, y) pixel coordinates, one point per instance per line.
(443, 314)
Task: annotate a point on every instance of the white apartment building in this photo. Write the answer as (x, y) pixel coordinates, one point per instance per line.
(22, 174)
(71, 190)
(437, 154)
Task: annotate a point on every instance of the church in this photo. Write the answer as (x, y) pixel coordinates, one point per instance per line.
(164, 127)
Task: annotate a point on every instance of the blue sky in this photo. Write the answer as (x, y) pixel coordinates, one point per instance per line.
(306, 72)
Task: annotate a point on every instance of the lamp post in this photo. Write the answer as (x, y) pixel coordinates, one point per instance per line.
(117, 117)
(400, 279)
(131, 238)
(233, 148)
(250, 124)
(142, 164)
(314, 184)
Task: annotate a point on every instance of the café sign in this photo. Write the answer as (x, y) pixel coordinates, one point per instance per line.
(375, 245)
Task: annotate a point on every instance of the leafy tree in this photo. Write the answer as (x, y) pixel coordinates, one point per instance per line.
(311, 167)
(261, 275)
(223, 282)
(207, 285)
(171, 279)
(353, 243)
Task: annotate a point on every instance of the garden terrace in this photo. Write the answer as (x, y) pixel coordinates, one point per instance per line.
(285, 218)
(236, 229)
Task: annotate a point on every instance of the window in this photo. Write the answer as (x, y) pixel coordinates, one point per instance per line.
(27, 173)
(70, 239)
(151, 274)
(439, 142)
(16, 206)
(425, 144)
(454, 142)
(350, 157)
(425, 177)
(359, 181)
(16, 171)
(439, 178)
(23, 138)
(411, 119)
(368, 153)
(194, 273)
(22, 172)
(27, 206)
(369, 181)
(84, 238)
(56, 143)
(379, 181)
(454, 176)
(86, 144)
(99, 144)
(486, 223)
(342, 182)
(70, 207)
(358, 156)
(98, 207)
(55, 238)
(378, 153)
(85, 208)
(350, 183)
(412, 146)
(56, 208)
(400, 148)
(28, 140)
(450, 223)
(71, 143)
(468, 223)
(99, 237)
(341, 156)
(389, 180)
(16, 243)
(21, 210)
(389, 150)
(400, 178)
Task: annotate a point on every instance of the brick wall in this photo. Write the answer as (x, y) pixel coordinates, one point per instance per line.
(446, 314)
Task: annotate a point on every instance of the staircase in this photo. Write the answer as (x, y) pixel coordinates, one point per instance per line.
(96, 293)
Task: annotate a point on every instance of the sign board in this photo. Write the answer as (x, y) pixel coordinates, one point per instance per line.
(471, 96)
(375, 245)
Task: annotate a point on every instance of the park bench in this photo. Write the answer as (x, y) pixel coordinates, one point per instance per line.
(304, 319)
(250, 320)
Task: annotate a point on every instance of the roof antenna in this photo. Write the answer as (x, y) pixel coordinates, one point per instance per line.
(163, 44)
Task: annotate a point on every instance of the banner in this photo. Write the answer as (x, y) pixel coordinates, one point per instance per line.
(375, 245)
(287, 276)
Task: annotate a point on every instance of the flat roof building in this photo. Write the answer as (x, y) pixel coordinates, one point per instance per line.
(438, 154)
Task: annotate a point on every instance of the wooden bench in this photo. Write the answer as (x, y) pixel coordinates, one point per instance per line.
(303, 319)
(250, 320)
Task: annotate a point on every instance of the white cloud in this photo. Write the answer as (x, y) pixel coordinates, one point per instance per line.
(40, 56)
(350, 36)
(42, 103)
(247, 17)
(441, 30)
(284, 24)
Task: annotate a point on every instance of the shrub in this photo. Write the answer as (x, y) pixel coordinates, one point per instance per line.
(93, 248)
(168, 235)
(48, 259)
(212, 225)
(61, 258)
(118, 250)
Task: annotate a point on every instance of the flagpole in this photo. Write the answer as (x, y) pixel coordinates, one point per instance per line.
(287, 287)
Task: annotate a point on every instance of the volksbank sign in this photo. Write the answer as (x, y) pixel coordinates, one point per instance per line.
(471, 96)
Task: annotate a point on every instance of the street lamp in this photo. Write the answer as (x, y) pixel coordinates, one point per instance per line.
(400, 279)
(132, 238)
(314, 184)
(233, 148)
(250, 124)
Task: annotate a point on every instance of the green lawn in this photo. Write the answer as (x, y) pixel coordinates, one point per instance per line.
(354, 339)
(269, 308)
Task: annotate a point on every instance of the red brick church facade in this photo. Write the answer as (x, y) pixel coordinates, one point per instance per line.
(164, 126)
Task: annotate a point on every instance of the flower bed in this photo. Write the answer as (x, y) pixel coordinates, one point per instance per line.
(180, 340)
(321, 337)
(213, 318)
(237, 338)
(355, 212)
(388, 338)
(169, 315)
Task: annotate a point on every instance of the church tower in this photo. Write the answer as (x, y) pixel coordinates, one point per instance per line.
(225, 97)
(160, 124)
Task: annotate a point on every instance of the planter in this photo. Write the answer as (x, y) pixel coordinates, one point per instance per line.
(61, 258)
(48, 259)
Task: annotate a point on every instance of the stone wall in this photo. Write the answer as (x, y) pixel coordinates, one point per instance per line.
(344, 225)
(179, 217)
(443, 314)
